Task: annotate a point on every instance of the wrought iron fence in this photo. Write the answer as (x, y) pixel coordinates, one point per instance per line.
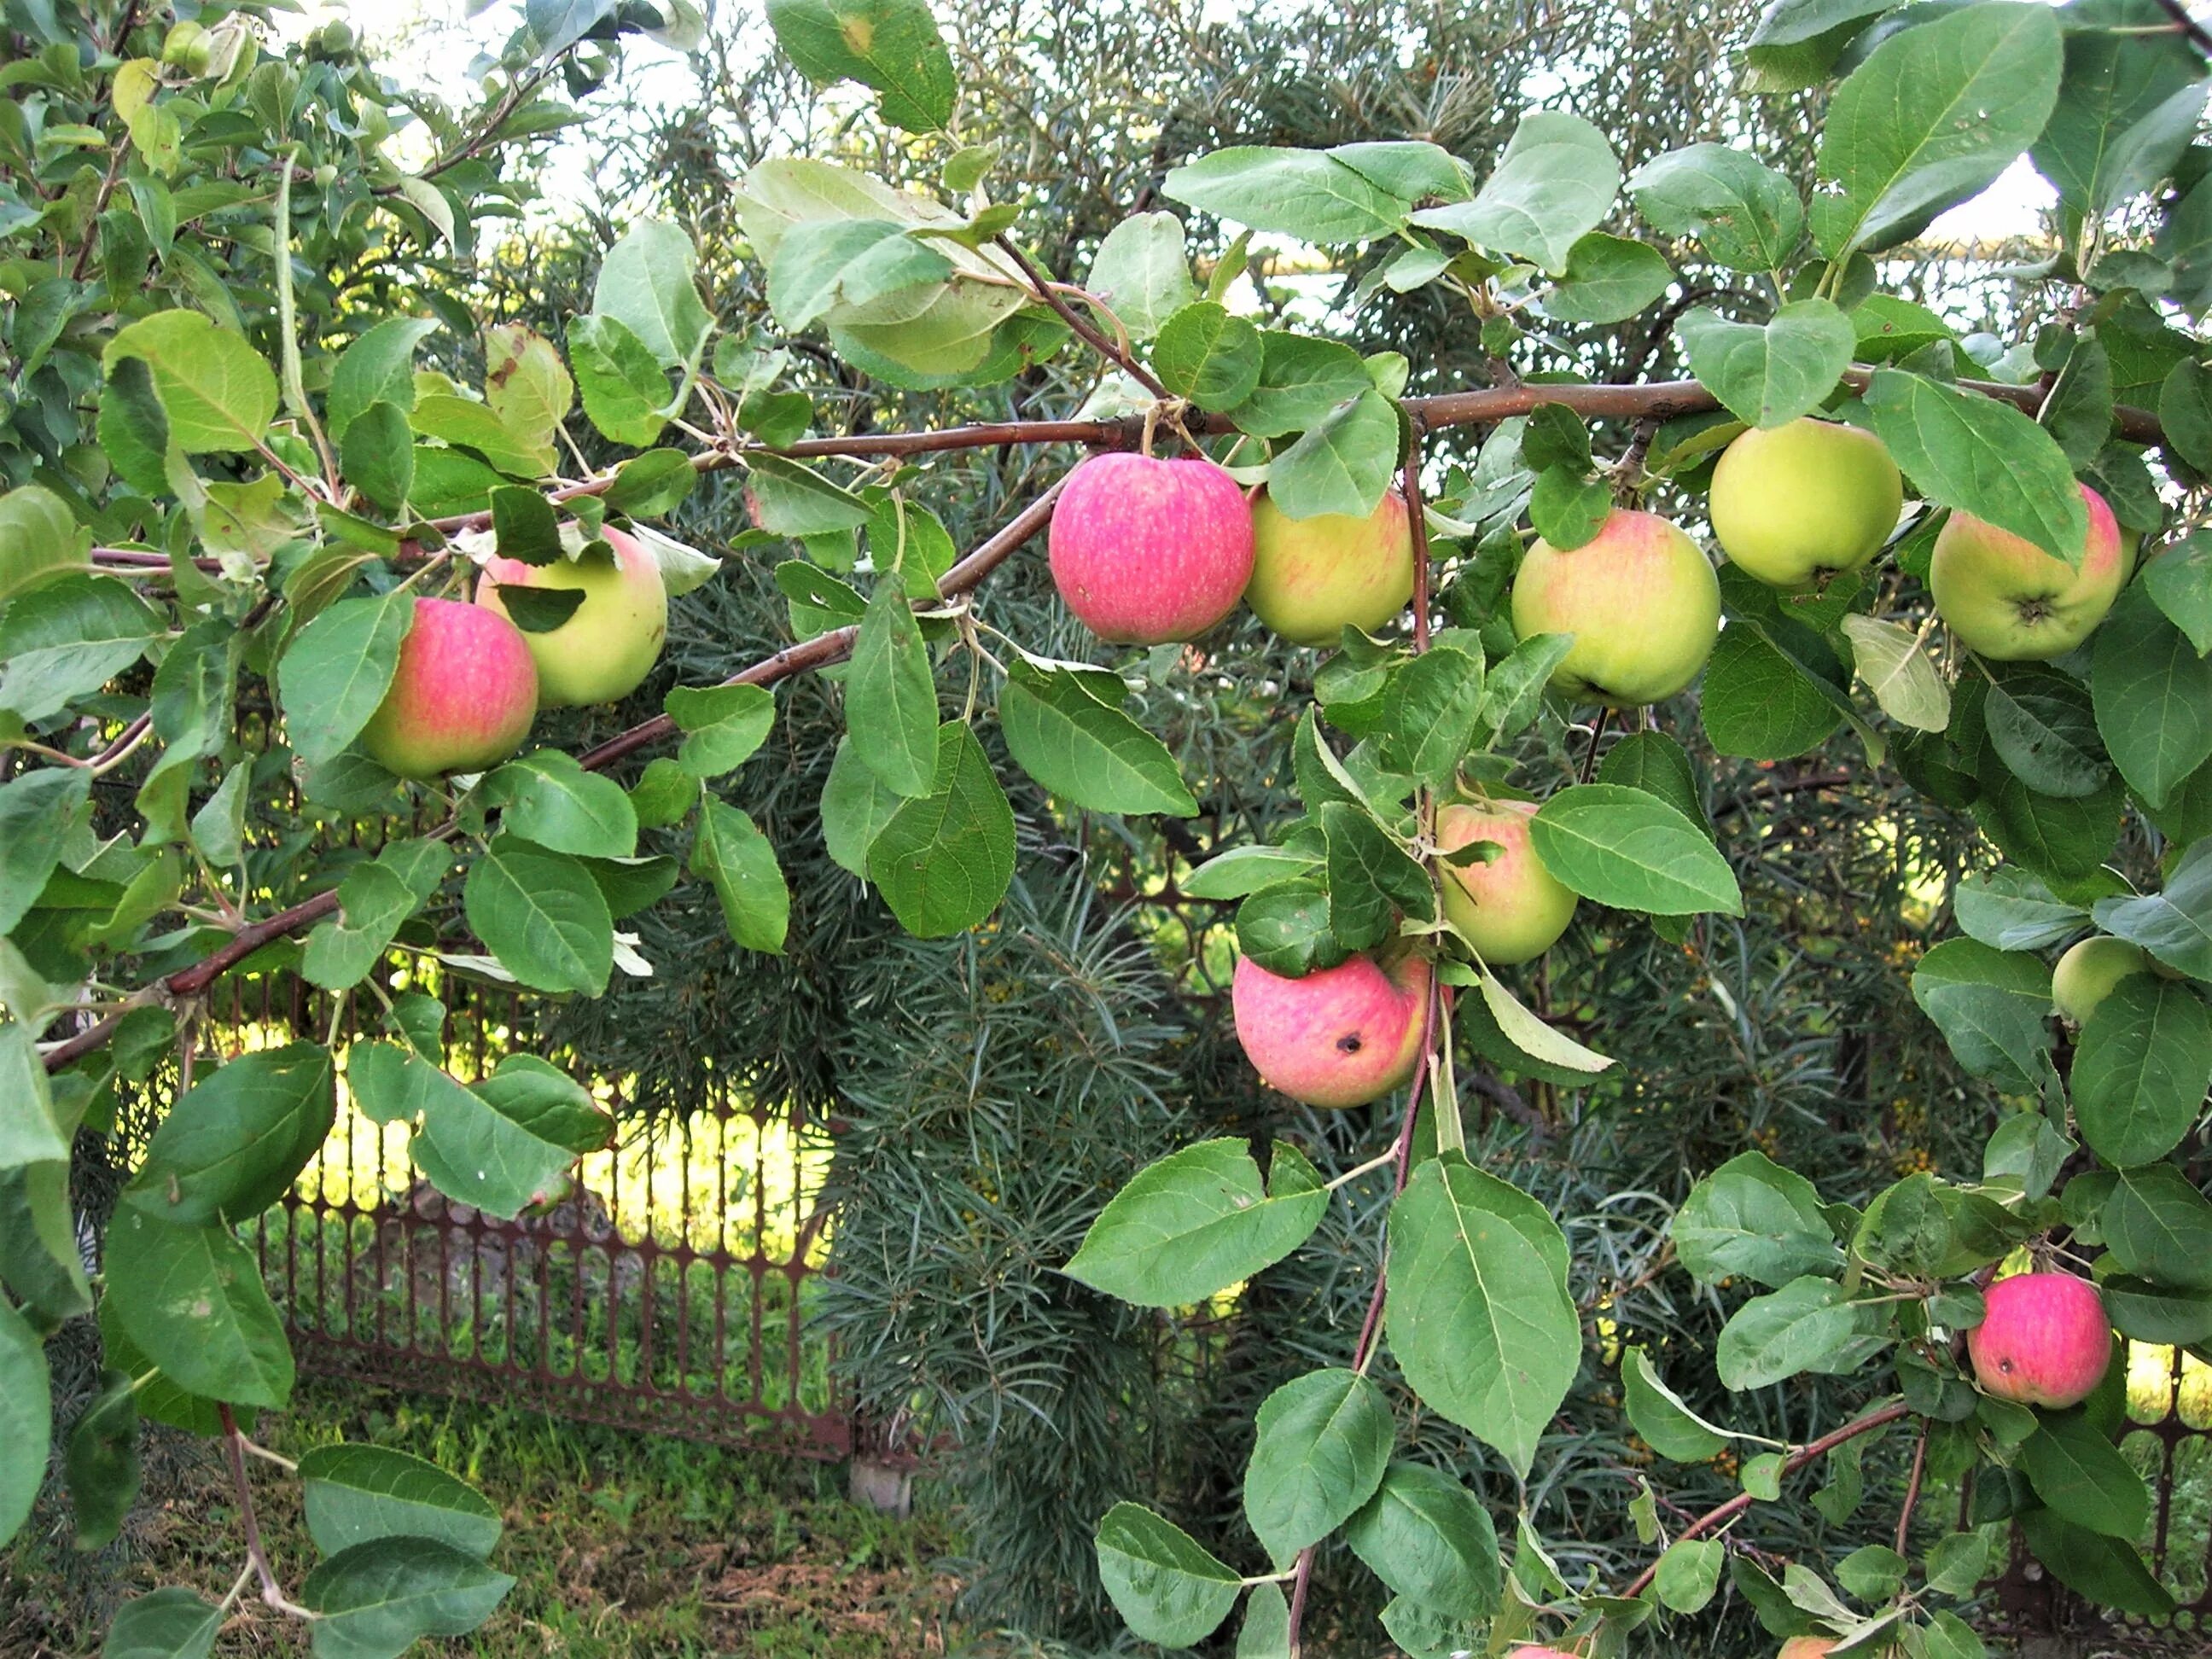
(667, 1290)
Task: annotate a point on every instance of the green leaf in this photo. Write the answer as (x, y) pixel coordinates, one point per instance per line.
(26, 1428)
(1479, 1317)
(37, 810)
(1768, 376)
(1426, 1536)
(1760, 702)
(731, 853)
(233, 1143)
(1370, 875)
(2126, 107)
(1079, 749)
(38, 537)
(134, 431)
(355, 1493)
(656, 482)
(1567, 507)
(217, 393)
(1558, 1057)
(2153, 695)
(2108, 1571)
(625, 390)
(1165, 1586)
(1342, 464)
(1245, 869)
(2076, 1470)
(1660, 1418)
(823, 265)
(856, 804)
(337, 669)
(1608, 278)
(166, 1624)
(1320, 1445)
(2010, 910)
(891, 46)
(378, 455)
(373, 899)
(1207, 356)
(724, 726)
(1902, 676)
(191, 1298)
(1806, 1325)
(467, 424)
(1554, 183)
(945, 859)
(1748, 216)
(1931, 118)
(1689, 1573)
(545, 797)
(378, 367)
(1754, 1220)
(1627, 848)
(102, 1462)
(66, 639)
(2180, 582)
(2142, 1069)
(1305, 193)
(2175, 926)
(2158, 1227)
(1266, 1632)
(1302, 381)
(40, 1258)
(2155, 1313)
(890, 697)
(1197, 1222)
(379, 1598)
(648, 283)
(1141, 271)
(2040, 726)
(1992, 1007)
(541, 914)
(1980, 455)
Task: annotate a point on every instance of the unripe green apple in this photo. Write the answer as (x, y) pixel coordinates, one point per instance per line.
(2045, 1340)
(1146, 551)
(1794, 505)
(2087, 972)
(1339, 1037)
(2006, 598)
(1313, 577)
(188, 46)
(611, 641)
(462, 697)
(1641, 599)
(1512, 908)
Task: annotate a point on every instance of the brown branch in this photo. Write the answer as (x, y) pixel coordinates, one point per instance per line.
(1878, 1417)
(233, 1452)
(1913, 1488)
(1087, 331)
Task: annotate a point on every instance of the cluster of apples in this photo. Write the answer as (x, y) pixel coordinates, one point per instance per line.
(469, 682)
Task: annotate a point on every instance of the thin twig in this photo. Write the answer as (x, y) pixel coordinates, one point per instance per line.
(233, 1453)
(1912, 1487)
(1049, 293)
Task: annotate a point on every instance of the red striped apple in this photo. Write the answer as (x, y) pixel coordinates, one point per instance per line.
(1641, 599)
(1339, 1037)
(1145, 551)
(462, 697)
(1311, 577)
(2044, 1339)
(2006, 598)
(1795, 504)
(611, 641)
(1511, 909)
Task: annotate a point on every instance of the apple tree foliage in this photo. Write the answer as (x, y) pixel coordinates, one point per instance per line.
(230, 467)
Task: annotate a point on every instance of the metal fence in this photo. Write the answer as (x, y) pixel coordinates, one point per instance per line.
(668, 1289)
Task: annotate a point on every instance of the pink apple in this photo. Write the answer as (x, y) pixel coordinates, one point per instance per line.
(1145, 551)
(1340, 1036)
(2045, 1339)
(611, 641)
(462, 697)
(1512, 908)
(1639, 596)
(2003, 596)
(1807, 1647)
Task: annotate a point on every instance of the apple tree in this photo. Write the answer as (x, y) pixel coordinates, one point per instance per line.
(290, 544)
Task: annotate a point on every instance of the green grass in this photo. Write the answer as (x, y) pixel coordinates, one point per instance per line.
(623, 1545)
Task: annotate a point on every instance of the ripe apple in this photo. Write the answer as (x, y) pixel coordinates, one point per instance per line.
(1512, 908)
(462, 697)
(1145, 551)
(611, 641)
(1339, 1037)
(1794, 505)
(2087, 972)
(2045, 1340)
(2006, 598)
(1641, 600)
(1312, 577)
(1807, 1647)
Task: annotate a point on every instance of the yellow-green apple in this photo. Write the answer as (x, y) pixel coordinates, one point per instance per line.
(1311, 577)
(462, 697)
(1795, 504)
(1641, 599)
(1807, 1647)
(1339, 1037)
(2003, 596)
(611, 641)
(2044, 1339)
(1511, 909)
(2087, 972)
(1145, 551)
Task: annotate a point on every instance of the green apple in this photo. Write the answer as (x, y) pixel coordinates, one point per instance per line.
(611, 641)
(1641, 599)
(1794, 505)
(2087, 972)
(1511, 909)
(1313, 577)
(2001, 595)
